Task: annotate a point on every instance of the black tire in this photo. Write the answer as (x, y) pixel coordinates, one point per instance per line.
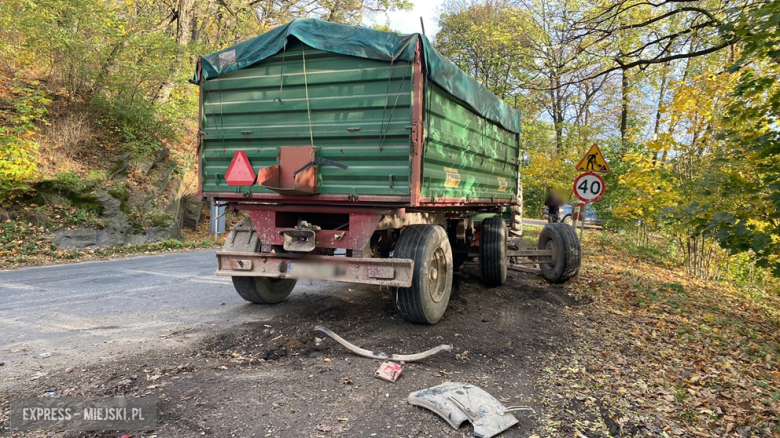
(567, 254)
(427, 299)
(263, 290)
(568, 221)
(259, 290)
(492, 251)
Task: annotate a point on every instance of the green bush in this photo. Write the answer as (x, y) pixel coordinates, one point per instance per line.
(18, 151)
(68, 181)
(140, 126)
(18, 165)
(73, 185)
(159, 219)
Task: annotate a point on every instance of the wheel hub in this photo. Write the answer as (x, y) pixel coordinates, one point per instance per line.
(437, 275)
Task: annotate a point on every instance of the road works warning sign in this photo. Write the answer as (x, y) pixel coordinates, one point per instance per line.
(593, 161)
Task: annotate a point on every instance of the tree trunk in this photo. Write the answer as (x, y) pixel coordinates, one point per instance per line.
(109, 63)
(624, 109)
(657, 126)
(183, 37)
(557, 112)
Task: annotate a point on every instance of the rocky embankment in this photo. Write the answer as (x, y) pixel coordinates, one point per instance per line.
(164, 197)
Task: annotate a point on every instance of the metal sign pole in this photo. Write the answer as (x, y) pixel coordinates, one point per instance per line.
(217, 218)
(582, 219)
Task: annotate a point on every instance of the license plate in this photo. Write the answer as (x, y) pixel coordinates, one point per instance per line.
(381, 272)
(314, 270)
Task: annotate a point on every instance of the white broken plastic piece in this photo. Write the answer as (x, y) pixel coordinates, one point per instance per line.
(371, 355)
(457, 402)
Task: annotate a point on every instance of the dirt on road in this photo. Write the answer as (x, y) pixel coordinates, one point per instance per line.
(281, 378)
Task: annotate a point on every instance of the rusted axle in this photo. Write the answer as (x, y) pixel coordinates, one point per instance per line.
(530, 253)
(531, 256)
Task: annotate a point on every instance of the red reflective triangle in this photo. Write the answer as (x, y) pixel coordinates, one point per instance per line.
(240, 172)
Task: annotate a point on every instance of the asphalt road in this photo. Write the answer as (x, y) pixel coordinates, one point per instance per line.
(62, 315)
(539, 222)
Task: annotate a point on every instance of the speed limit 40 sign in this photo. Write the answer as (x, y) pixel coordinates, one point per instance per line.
(589, 187)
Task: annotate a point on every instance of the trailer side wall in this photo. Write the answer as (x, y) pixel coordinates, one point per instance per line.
(360, 117)
(359, 113)
(467, 157)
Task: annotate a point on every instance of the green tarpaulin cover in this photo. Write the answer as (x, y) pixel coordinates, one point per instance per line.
(364, 43)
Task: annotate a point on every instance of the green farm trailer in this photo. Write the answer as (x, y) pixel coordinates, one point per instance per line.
(360, 156)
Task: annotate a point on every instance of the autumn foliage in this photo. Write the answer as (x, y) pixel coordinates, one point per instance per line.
(682, 97)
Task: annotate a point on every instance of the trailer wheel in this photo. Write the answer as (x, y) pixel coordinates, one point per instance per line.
(492, 251)
(565, 260)
(259, 290)
(262, 290)
(427, 299)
